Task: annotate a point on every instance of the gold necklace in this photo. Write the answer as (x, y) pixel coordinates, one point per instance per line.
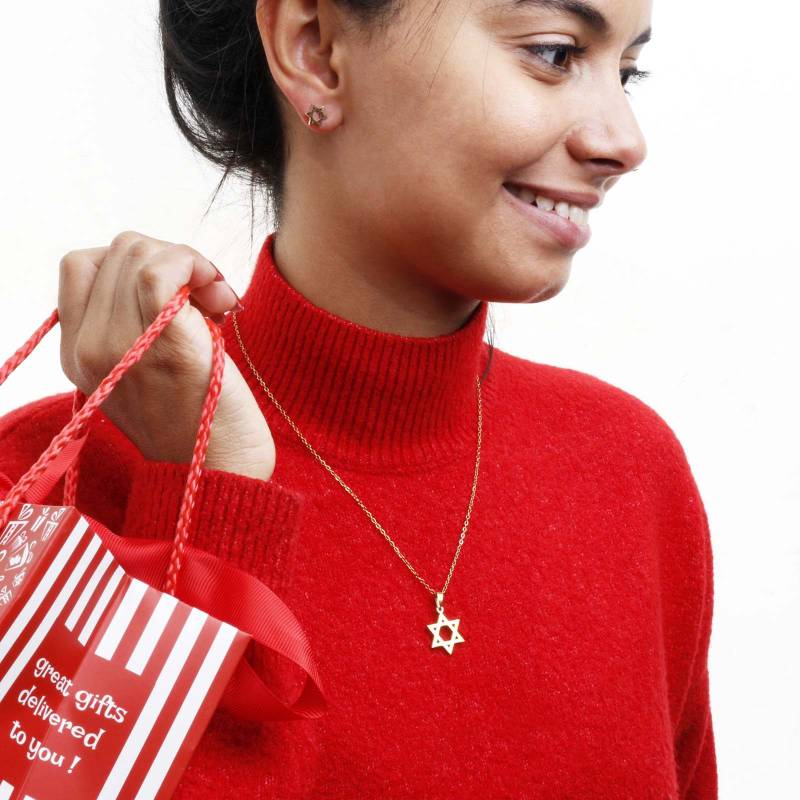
(442, 621)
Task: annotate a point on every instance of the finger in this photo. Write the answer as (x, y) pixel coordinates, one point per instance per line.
(104, 302)
(215, 298)
(78, 271)
(168, 270)
(212, 294)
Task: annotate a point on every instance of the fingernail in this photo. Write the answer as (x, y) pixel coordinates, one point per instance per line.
(221, 317)
(238, 306)
(220, 276)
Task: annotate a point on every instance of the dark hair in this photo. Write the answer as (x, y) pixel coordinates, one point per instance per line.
(222, 95)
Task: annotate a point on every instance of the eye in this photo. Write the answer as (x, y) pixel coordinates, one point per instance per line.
(557, 49)
(561, 51)
(633, 75)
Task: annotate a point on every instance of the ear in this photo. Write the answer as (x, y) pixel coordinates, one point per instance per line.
(303, 44)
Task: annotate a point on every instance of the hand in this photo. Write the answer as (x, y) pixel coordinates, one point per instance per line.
(107, 297)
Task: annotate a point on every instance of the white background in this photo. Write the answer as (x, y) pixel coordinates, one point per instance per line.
(687, 295)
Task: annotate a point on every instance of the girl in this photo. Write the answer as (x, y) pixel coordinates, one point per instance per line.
(515, 600)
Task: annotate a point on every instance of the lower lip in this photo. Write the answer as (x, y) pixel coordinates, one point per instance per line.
(564, 231)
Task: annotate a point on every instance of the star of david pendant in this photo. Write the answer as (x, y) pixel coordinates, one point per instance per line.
(442, 622)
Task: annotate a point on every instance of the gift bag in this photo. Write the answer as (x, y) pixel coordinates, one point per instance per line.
(114, 652)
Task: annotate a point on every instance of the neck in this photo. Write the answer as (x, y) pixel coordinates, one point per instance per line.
(344, 277)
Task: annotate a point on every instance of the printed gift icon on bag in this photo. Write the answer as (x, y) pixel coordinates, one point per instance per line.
(115, 652)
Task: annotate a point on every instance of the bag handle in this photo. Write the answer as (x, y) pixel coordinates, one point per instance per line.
(71, 475)
(65, 447)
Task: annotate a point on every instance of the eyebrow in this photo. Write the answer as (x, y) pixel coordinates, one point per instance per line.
(590, 15)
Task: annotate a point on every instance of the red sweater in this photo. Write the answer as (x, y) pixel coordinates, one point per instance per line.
(584, 587)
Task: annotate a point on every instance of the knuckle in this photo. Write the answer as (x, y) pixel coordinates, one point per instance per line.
(182, 250)
(149, 279)
(68, 260)
(124, 239)
(70, 265)
(181, 253)
(140, 249)
(65, 266)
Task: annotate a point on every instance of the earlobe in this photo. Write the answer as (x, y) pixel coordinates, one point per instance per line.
(301, 70)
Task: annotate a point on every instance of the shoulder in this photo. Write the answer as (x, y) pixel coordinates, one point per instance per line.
(576, 424)
(588, 412)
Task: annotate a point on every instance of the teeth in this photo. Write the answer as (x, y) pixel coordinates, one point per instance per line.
(576, 214)
(562, 209)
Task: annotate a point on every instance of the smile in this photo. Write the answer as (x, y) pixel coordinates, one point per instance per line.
(568, 233)
(578, 215)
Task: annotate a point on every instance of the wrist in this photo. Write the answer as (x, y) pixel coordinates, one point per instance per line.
(251, 462)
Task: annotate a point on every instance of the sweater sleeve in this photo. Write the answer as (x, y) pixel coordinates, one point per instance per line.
(687, 604)
(249, 522)
(694, 736)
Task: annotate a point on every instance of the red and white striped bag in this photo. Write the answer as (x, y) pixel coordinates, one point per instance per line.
(108, 679)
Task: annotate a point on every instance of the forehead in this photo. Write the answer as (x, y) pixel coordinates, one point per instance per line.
(605, 19)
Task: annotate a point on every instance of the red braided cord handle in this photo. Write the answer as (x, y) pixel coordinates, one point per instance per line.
(77, 425)
(193, 480)
(198, 458)
(27, 348)
(71, 475)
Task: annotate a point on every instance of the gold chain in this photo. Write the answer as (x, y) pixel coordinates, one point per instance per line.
(324, 463)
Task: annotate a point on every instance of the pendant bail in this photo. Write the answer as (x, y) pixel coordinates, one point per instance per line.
(439, 601)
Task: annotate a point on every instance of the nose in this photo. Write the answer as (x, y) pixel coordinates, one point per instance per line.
(608, 141)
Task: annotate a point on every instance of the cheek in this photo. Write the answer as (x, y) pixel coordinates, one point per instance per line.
(507, 124)
(483, 119)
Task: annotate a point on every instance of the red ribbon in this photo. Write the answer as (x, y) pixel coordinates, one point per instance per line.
(205, 582)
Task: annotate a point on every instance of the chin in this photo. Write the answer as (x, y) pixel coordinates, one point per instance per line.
(550, 282)
(547, 293)
(509, 294)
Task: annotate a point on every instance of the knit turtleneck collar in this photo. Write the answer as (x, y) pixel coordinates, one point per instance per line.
(362, 397)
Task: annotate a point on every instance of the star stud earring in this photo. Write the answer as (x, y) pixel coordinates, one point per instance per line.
(315, 115)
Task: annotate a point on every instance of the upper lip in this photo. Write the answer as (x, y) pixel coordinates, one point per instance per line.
(585, 200)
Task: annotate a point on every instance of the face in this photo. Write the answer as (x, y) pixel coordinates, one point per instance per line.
(435, 120)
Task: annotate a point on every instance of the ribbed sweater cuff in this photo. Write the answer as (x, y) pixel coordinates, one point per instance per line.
(249, 522)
